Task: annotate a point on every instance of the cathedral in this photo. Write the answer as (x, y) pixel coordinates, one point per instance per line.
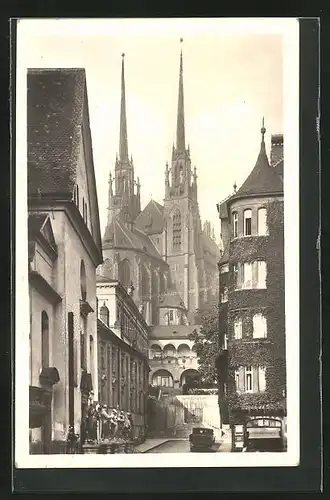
(162, 255)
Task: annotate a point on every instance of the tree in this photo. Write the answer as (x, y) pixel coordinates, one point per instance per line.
(206, 343)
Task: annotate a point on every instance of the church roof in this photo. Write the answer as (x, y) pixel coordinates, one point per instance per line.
(171, 298)
(118, 235)
(150, 220)
(263, 179)
(55, 100)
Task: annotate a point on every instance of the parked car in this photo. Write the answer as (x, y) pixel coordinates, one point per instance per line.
(264, 434)
(201, 439)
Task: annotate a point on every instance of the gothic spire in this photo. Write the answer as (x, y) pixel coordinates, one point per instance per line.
(180, 130)
(123, 146)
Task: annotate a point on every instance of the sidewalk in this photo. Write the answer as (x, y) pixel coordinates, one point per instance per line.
(150, 443)
(225, 442)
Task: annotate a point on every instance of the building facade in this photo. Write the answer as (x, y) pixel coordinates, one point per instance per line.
(251, 278)
(64, 251)
(123, 370)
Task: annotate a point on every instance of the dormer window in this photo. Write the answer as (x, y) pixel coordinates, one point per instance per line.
(247, 222)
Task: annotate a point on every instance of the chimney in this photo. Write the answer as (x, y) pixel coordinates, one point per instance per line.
(276, 152)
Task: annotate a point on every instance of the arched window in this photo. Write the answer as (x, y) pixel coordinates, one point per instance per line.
(145, 284)
(162, 378)
(125, 273)
(83, 282)
(235, 224)
(259, 326)
(104, 314)
(155, 351)
(262, 222)
(177, 229)
(247, 222)
(169, 350)
(184, 350)
(44, 340)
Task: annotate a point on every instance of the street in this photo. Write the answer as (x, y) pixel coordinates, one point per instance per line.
(177, 446)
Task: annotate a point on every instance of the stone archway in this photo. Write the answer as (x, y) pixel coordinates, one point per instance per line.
(189, 378)
(162, 378)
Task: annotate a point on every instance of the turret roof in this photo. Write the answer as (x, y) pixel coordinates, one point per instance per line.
(264, 179)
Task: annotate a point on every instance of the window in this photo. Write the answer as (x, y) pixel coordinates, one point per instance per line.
(44, 340)
(224, 295)
(225, 342)
(247, 222)
(83, 283)
(236, 275)
(162, 378)
(169, 350)
(171, 314)
(102, 355)
(177, 229)
(259, 326)
(262, 222)
(104, 314)
(262, 378)
(235, 224)
(247, 275)
(238, 329)
(262, 272)
(83, 360)
(237, 385)
(248, 379)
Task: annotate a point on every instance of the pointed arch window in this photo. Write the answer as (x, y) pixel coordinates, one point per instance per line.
(125, 273)
(177, 229)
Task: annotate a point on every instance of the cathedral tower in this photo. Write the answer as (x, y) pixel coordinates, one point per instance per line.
(124, 198)
(182, 233)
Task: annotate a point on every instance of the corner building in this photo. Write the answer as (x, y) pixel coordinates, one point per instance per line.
(251, 278)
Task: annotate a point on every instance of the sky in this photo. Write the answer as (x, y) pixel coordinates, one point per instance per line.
(232, 78)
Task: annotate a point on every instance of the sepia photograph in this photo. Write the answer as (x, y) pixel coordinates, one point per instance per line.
(157, 254)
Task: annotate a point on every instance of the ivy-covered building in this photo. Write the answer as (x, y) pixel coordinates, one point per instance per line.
(251, 362)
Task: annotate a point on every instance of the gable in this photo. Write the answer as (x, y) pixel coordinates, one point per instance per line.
(40, 230)
(47, 233)
(151, 220)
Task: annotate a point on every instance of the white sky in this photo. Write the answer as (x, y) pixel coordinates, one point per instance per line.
(231, 80)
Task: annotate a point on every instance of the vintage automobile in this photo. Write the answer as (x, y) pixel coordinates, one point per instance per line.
(201, 439)
(264, 434)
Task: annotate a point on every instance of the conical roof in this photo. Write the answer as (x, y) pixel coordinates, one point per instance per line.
(264, 179)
